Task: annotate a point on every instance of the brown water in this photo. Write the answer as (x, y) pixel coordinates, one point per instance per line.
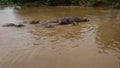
(94, 44)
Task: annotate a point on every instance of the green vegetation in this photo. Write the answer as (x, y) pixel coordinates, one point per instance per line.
(114, 3)
(5, 2)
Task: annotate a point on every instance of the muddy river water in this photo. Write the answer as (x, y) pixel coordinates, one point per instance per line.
(93, 44)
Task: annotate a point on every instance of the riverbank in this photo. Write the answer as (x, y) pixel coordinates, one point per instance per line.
(115, 5)
(82, 3)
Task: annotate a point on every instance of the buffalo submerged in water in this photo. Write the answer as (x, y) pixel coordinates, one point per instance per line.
(65, 21)
(48, 24)
(72, 20)
(13, 25)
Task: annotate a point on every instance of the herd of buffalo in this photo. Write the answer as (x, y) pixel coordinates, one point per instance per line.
(48, 24)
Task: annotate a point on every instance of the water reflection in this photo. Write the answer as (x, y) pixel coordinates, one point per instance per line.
(64, 35)
(108, 33)
(50, 13)
(9, 15)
